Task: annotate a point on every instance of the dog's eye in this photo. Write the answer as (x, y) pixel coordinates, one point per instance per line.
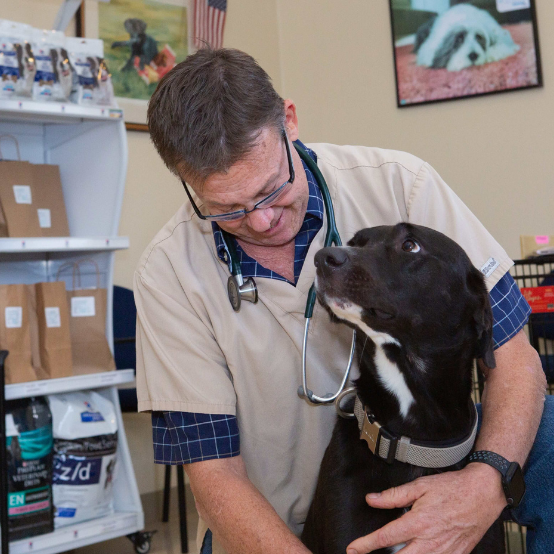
(410, 245)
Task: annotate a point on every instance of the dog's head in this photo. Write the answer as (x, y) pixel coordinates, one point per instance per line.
(135, 26)
(409, 285)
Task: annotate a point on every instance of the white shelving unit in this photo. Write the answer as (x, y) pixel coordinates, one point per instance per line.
(90, 146)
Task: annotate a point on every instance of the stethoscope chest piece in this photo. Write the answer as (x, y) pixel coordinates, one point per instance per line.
(238, 291)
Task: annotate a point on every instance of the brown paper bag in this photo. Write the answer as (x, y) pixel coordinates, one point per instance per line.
(54, 335)
(48, 201)
(15, 333)
(3, 223)
(16, 199)
(33, 329)
(88, 309)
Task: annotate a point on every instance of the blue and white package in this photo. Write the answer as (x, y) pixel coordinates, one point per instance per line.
(93, 84)
(47, 85)
(17, 63)
(85, 456)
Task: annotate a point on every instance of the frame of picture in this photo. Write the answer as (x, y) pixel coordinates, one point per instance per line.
(448, 78)
(88, 25)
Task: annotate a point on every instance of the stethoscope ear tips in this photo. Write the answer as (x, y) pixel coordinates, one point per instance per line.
(238, 291)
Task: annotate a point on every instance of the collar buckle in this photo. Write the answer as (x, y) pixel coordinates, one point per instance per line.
(372, 432)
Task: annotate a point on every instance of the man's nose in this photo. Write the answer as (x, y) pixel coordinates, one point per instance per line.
(331, 258)
(260, 220)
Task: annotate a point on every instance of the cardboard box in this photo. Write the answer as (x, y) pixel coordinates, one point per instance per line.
(530, 244)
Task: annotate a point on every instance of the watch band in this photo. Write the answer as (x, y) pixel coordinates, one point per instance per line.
(513, 482)
(492, 459)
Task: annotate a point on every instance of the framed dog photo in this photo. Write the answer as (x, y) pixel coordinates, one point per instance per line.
(450, 49)
(143, 40)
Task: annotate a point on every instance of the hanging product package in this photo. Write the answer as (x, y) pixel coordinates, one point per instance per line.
(50, 83)
(87, 322)
(93, 85)
(15, 333)
(29, 462)
(85, 456)
(17, 63)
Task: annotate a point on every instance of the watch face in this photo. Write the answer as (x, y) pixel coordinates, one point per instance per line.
(514, 484)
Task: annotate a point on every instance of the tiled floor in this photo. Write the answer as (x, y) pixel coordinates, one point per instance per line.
(167, 540)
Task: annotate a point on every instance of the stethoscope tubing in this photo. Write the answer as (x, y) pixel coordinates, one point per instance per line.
(238, 288)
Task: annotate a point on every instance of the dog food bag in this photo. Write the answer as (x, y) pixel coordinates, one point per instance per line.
(85, 445)
(93, 86)
(17, 63)
(29, 460)
(47, 86)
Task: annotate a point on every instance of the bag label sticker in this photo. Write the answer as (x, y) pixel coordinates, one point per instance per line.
(489, 267)
(83, 306)
(44, 218)
(53, 318)
(512, 5)
(14, 317)
(91, 417)
(22, 194)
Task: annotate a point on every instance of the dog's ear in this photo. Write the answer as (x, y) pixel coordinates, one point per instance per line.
(482, 318)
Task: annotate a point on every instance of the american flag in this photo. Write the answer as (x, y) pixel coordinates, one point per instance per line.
(208, 22)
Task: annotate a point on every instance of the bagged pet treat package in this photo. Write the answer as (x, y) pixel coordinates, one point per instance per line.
(85, 456)
(29, 461)
(17, 63)
(93, 85)
(63, 71)
(47, 86)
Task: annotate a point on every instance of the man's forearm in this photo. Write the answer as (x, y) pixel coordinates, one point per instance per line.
(239, 516)
(513, 401)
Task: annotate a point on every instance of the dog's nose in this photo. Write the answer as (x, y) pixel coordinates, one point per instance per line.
(331, 258)
(473, 56)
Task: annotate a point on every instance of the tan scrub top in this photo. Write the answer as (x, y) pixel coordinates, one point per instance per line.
(195, 354)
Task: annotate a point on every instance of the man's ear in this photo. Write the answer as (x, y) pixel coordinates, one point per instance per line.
(291, 120)
(482, 318)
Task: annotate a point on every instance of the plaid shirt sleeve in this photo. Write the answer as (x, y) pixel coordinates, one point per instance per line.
(510, 310)
(185, 437)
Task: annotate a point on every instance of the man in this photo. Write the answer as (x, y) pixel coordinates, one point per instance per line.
(211, 375)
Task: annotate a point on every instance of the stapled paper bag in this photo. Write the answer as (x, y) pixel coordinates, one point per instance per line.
(88, 310)
(53, 331)
(15, 333)
(49, 201)
(16, 198)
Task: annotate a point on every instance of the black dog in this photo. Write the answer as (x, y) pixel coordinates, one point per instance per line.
(422, 314)
(142, 45)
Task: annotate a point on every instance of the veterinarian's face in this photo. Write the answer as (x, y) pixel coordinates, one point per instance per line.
(248, 181)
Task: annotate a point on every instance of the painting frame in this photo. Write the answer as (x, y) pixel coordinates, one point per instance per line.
(88, 24)
(403, 101)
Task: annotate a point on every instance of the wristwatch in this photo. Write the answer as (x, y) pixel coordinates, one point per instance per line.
(512, 476)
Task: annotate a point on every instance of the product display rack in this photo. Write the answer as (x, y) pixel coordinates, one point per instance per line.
(90, 146)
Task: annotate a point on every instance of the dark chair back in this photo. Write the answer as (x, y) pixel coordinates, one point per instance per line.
(124, 331)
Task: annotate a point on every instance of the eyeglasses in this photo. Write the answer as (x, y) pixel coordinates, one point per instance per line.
(262, 204)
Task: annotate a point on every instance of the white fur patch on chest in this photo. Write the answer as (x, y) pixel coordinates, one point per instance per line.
(396, 548)
(389, 374)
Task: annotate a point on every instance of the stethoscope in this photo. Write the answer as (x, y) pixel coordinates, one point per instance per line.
(245, 289)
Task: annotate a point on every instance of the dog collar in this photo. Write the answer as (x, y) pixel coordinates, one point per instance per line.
(385, 445)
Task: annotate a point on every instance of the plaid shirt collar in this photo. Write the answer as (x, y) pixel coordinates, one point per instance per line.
(313, 221)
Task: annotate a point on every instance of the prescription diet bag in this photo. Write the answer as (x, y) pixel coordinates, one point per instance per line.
(85, 456)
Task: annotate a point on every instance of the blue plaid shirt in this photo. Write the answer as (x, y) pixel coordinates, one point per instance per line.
(185, 437)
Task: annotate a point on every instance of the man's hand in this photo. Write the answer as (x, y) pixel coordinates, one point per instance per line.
(450, 512)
